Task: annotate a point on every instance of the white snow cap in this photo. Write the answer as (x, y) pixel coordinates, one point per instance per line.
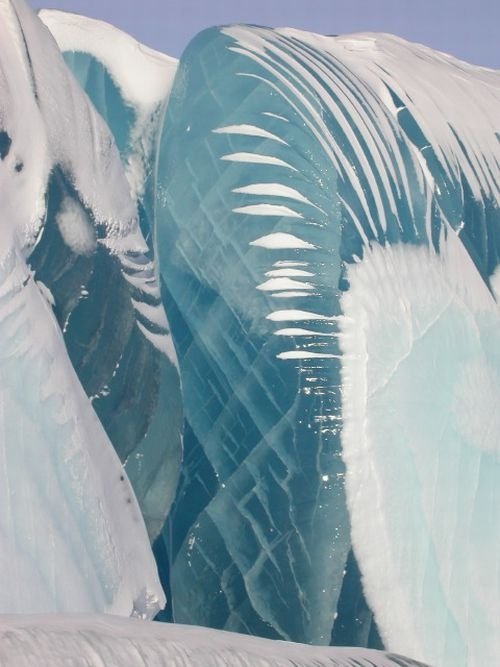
(144, 76)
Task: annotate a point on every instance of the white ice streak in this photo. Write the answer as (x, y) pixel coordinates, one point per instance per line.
(295, 331)
(249, 131)
(154, 313)
(163, 342)
(257, 158)
(274, 190)
(282, 241)
(290, 273)
(276, 210)
(306, 354)
(275, 115)
(274, 284)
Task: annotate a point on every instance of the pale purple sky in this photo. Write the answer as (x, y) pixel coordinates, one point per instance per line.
(464, 28)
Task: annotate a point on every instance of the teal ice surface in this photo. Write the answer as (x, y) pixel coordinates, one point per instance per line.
(134, 388)
(259, 537)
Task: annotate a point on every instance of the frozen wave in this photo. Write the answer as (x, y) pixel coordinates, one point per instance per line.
(373, 163)
(72, 535)
(110, 306)
(421, 378)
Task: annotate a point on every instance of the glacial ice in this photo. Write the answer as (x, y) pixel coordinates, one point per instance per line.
(341, 436)
(94, 641)
(132, 372)
(72, 537)
(318, 217)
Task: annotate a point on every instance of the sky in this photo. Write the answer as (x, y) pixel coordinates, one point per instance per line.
(466, 29)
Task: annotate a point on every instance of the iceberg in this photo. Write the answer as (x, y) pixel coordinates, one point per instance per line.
(310, 438)
(328, 235)
(72, 534)
(45, 641)
(131, 374)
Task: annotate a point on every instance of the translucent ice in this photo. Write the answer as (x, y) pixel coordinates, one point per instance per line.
(329, 238)
(325, 212)
(130, 370)
(72, 537)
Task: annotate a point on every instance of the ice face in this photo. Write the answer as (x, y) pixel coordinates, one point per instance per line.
(421, 445)
(325, 215)
(45, 641)
(329, 242)
(249, 231)
(64, 491)
(131, 369)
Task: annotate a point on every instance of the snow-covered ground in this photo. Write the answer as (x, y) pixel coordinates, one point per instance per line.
(110, 641)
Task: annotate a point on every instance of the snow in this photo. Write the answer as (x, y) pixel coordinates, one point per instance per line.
(421, 381)
(75, 227)
(63, 490)
(144, 76)
(93, 641)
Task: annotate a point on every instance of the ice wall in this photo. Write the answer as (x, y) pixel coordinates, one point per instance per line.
(130, 371)
(249, 236)
(72, 534)
(325, 213)
(329, 239)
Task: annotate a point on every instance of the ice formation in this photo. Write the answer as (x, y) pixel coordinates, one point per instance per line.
(329, 239)
(94, 641)
(318, 216)
(72, 534)
(131, 370)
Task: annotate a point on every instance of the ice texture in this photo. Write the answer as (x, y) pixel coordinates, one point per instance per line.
(328, 232)
(114, 324)
(259, 537)
(93, 641)
(72, 534)
(421, 378)
(319, 217)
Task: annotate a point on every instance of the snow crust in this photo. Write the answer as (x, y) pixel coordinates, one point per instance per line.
(421, 385)
(71, 533)
(93, 641)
